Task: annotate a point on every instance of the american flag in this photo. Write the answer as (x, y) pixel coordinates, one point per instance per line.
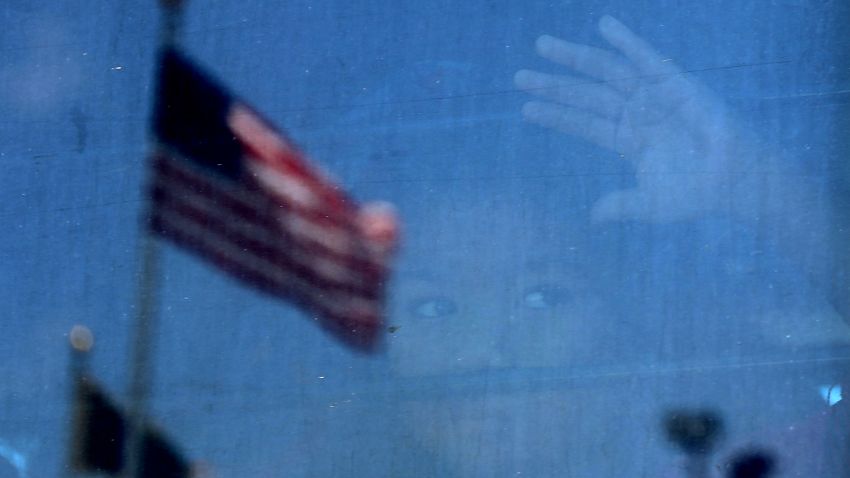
(229, 187)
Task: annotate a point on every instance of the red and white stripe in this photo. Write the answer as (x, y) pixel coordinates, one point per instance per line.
(282, 227)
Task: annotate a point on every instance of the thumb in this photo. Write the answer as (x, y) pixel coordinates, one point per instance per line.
(624, 205)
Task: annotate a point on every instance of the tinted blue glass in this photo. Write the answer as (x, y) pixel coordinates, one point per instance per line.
(612, 211)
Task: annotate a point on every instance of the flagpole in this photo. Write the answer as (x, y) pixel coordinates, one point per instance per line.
(81, 341)
(145, 326)
(142, 349)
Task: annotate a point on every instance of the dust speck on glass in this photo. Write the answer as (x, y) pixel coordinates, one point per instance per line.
(623, 252)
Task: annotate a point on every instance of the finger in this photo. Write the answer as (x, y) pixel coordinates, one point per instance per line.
(593, 97)
(674, 89)
(572, 121)
(642, 55)
(593, 62)
(625, 205)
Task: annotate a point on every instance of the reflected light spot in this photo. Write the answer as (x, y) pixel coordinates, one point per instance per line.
(831, 394)
(15, 458)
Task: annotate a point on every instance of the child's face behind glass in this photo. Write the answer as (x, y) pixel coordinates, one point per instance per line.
(487, 282)
(492, 309)
(517, 346)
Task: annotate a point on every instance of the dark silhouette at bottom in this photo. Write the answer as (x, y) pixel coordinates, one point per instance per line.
(695, 432)
(756, 464)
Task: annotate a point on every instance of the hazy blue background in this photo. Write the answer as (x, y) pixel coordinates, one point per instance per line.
(566, 341)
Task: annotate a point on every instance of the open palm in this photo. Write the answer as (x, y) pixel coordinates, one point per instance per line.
(688, 157)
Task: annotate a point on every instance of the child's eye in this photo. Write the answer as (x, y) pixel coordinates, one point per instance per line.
(433, 307)
(545, 296)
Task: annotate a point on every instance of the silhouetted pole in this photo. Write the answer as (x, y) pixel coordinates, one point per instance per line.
(695, 432)
(81, 342)
(172, 21)
(142, 349)
(144, 332)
